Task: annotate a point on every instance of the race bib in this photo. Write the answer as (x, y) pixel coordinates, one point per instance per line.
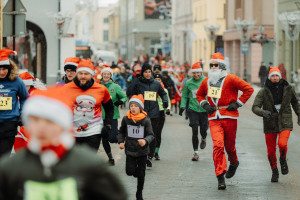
(214, 92)
(135, 131)
(63, 189)
(194, 92)
(150, 96)
(5, 103)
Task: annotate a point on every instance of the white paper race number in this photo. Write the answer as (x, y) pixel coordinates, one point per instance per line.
(214, 92)
(135, 131)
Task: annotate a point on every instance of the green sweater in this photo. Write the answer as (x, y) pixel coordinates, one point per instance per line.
(189, 91)
(116, 94)
(160, 103)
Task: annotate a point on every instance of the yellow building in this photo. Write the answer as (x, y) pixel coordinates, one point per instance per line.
(207, 13)
(113, 17)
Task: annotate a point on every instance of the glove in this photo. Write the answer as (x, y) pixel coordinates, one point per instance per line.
(118, 103)
(233, 106)
(165, 104)
(105, 130)
(298, 122)
(168, 112)
(181, 111)
(209, 109)
(267, 114)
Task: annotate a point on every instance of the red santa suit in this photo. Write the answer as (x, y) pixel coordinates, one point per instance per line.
(223, 123)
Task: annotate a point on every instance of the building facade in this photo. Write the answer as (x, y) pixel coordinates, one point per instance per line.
(255, 51)
(113, 17)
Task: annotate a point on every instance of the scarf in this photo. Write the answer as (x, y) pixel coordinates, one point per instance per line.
(85, 86)
(136, 117)
(52, 154)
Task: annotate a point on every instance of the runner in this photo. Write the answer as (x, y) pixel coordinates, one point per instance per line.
(221, 105)
(118, 98)
(136, 132)
(273, 103)
(88, 97)
(13, 94)
(150, 88)
(162, 116)
(70, 66)
(51, 167)
(197, 115)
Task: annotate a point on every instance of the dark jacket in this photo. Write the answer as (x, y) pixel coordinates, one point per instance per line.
(24, 174)
(262, 71)
(281, 120)
(132, 147)
(170, 86)
(143, 85)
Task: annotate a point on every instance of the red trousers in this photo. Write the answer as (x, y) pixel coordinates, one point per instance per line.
(223, 134)
(271, 139)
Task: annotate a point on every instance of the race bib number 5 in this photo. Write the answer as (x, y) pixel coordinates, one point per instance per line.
(150, 96)
(135, 131)
(214, 92)
(5, 103)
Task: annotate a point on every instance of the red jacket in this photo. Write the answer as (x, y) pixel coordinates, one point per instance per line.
(230, 87)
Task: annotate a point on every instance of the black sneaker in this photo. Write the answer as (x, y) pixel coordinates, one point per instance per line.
(148, 162)
(203, 144)
(284, 166)
(139, 195)
(275, 175)
(232, 169)
(156, 156)
(221, 182)
(111, 161)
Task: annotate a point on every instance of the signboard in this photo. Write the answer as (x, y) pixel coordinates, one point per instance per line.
(245, 48)
(158, 9)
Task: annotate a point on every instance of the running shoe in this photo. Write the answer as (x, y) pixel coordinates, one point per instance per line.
(195, 157)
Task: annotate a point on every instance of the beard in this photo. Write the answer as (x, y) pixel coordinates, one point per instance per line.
(214, 75)
(81, 118)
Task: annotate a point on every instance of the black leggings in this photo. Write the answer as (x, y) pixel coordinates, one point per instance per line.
(155, 126)
(8, 131)
(137, 167)
(195, 139)
(161, 124)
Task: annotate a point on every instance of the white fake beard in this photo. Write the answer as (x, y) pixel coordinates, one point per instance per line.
(80, 119)
(214, 75)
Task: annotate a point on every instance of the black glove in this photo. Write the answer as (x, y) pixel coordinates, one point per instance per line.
(233, 106)
(209, 109)
(267, 114)
(298, 122)
(118, 103)
(105, 130)
(181, 111)
(168, 112)
(165, 104)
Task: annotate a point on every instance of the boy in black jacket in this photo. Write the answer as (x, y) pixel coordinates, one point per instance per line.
(136, 131)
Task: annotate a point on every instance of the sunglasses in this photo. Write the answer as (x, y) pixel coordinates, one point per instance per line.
(213, 65)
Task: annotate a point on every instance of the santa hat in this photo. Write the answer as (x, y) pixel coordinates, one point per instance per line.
(137, 68)
(50, 104)
(182, 68)
(27, 78)
(138, 100)
(86, 65)
(217, 57)
(165, 68)
(86, 97)
(107, 69)
(196, 67)
(273, 71)
(71, 63)
(4, 53)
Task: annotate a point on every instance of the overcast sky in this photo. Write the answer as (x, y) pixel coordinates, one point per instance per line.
(106, 2)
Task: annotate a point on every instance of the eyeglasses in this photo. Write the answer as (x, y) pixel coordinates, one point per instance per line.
(213, 65)
(70, 71)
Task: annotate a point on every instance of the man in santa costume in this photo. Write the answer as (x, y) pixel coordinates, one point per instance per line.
(221, 90)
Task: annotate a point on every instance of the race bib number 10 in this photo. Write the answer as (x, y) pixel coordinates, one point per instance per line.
(5, 103)
(135, 131)
(214, 92)
(150, 96)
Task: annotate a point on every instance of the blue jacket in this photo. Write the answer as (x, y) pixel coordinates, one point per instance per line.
(120, 80)
(17, 90)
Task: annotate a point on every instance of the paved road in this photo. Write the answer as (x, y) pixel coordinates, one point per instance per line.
(175, 176)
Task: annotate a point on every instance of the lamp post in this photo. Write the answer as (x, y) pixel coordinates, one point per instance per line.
(291, 25)
(244, 29)
(211, 35)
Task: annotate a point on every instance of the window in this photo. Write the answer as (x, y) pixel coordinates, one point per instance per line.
(106, 20)
(105, 35)
(238, 4)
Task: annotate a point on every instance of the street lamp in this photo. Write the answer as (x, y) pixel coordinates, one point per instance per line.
(211, 34)
(291, 25)
(244, 29)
